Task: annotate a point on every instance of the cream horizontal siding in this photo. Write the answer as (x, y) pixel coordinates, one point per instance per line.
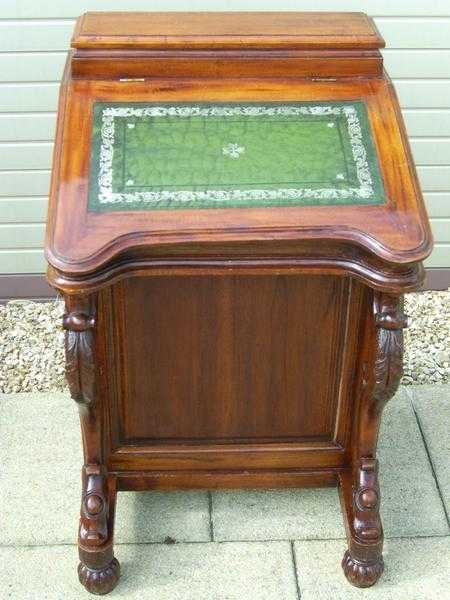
(424, 64)
(25, 155)
(49, 9)
(415, 33)
(440, 257)
(24, 183)
(20, 127)
(431, 151)
(22, 261)
(423, 93)
(31, 66)
(33, 41)
(44, 36)
(31, 209)
(437, 204)
(427, 122)
(23, 235)
(28, 97)
(434, 178)
(440, 230)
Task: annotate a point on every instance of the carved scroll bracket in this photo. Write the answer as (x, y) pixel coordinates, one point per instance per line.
(388, 367)
(79, 323)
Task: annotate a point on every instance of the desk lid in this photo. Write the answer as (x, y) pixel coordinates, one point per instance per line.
(214, 30)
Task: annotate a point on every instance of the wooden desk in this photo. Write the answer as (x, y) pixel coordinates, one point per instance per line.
(234, 218)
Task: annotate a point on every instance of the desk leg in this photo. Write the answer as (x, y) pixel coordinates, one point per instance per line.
(98, 570)
(380, 374)
(363, 561)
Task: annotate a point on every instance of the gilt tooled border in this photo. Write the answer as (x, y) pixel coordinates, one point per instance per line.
(105, 177)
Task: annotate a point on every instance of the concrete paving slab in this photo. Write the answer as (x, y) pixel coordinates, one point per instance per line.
(410, 503)
(415, 569)
(277, 514)
(410, 500)
(158, 516)
(40, 485)
(40, 458)
(432, 406)
(229, 571)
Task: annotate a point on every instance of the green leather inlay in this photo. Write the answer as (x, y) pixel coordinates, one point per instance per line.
(193, 156)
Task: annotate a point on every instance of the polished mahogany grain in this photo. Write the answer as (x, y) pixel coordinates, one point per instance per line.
(231, 358)
(235, 347)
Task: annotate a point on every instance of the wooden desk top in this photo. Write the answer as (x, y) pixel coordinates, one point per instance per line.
(183, 188)
(226, 30)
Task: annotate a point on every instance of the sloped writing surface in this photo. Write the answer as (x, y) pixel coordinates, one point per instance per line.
(158, 156)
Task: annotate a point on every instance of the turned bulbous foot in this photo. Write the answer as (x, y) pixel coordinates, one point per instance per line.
(99, 581)
(362, 574)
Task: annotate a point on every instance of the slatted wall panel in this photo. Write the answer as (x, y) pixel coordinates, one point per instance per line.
(34, 38)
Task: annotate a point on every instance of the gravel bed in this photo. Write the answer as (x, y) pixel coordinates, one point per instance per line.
(427, 339)
(32, 355)
(31, 346)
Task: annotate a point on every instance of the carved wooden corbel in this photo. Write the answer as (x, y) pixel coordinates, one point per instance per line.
(79, 323)
(390, 322)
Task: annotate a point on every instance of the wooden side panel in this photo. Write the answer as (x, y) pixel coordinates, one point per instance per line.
(228, 359)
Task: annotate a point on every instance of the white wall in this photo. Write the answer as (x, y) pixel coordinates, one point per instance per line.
(34, 38)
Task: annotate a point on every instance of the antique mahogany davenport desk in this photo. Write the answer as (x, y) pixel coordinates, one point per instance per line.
(234, 218)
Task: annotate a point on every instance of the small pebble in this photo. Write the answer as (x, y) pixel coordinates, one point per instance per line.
(32, 353)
